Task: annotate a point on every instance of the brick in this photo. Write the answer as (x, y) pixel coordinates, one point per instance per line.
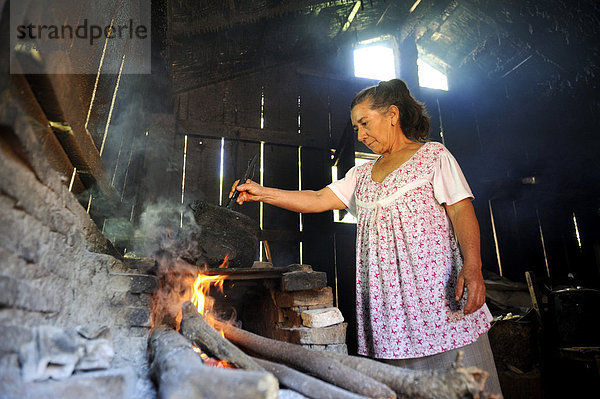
(121, 299)
(299, 266)
(320, 336)
(22, 295)
(133, 283)
(9, 291)
(321, 297)
(289, 317)
(138, 317)
(303, 280)
(321, 317)
(142, 265)
(115, 383)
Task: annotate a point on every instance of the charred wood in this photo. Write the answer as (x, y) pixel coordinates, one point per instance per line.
(224, 233)
(200, 333)
(306, 360)
(179, 372)
(454, 383)
(308, 386)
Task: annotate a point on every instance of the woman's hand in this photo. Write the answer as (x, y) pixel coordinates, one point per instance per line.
(466, 228)
(249, 191)
(470, 277)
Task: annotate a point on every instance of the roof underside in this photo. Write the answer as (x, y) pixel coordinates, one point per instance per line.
(553, 40)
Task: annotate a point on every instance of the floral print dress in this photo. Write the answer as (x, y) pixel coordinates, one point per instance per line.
(407, 257)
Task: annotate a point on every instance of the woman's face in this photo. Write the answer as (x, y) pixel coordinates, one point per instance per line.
(374, 128)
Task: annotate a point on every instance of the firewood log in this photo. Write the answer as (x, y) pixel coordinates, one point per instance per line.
(201, 334)
(455, 382)
(179, 373)
(308, 386)
(308, 361)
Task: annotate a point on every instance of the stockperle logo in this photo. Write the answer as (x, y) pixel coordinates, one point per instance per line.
(80, 36)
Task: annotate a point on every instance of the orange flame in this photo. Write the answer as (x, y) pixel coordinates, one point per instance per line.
(200, 289)
(201, 300)
(225, 263)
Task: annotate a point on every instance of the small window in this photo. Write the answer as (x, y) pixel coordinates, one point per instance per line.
(431, 77)
(375, 61)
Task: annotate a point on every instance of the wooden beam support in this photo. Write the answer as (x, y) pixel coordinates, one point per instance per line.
(66, 115)
(47, 142)
(249, 134)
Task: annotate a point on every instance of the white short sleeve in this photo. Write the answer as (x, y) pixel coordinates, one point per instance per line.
(449, 183)
(344, 190)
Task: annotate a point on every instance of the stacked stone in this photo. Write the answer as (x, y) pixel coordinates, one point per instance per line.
(303, 312)
(59, 273)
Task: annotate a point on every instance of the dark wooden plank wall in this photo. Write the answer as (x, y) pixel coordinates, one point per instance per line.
(280, 162)
(233, 109)
(202, 169)
(486, 137)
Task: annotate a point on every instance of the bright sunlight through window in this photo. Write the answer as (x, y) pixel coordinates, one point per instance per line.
(431, 77)
(374, 62)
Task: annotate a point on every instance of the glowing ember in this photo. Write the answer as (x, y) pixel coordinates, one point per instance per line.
(209, 361)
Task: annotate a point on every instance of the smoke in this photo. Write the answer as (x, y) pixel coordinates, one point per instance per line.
(168, 233)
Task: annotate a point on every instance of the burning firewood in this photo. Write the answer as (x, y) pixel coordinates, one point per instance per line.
(308, 386)
(306, 360)
(180, 373)
(200, 333)
(454, 383)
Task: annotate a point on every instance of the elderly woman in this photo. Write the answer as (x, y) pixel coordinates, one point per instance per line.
(420, 293)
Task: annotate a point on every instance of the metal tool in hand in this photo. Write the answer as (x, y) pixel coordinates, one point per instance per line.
(247, 175)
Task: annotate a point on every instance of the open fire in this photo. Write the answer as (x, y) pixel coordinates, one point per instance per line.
(204, 304)
(181, 282)
(201, 288)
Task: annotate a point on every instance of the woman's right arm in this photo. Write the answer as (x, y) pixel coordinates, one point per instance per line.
(305, 201)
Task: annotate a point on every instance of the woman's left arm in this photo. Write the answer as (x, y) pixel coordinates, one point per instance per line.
(466, 228)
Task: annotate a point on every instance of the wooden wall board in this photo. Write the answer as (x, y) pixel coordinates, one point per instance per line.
(174, 171)
(281, 171)
(281, 100)
(342, 93)
(205, 104)
(101, 106)
(236, 155)
(202, 170)
(163, 161)
(316, 174)
(314, 108)
(243, 101)
(345, 262)
(318, 246)
(254, 135)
